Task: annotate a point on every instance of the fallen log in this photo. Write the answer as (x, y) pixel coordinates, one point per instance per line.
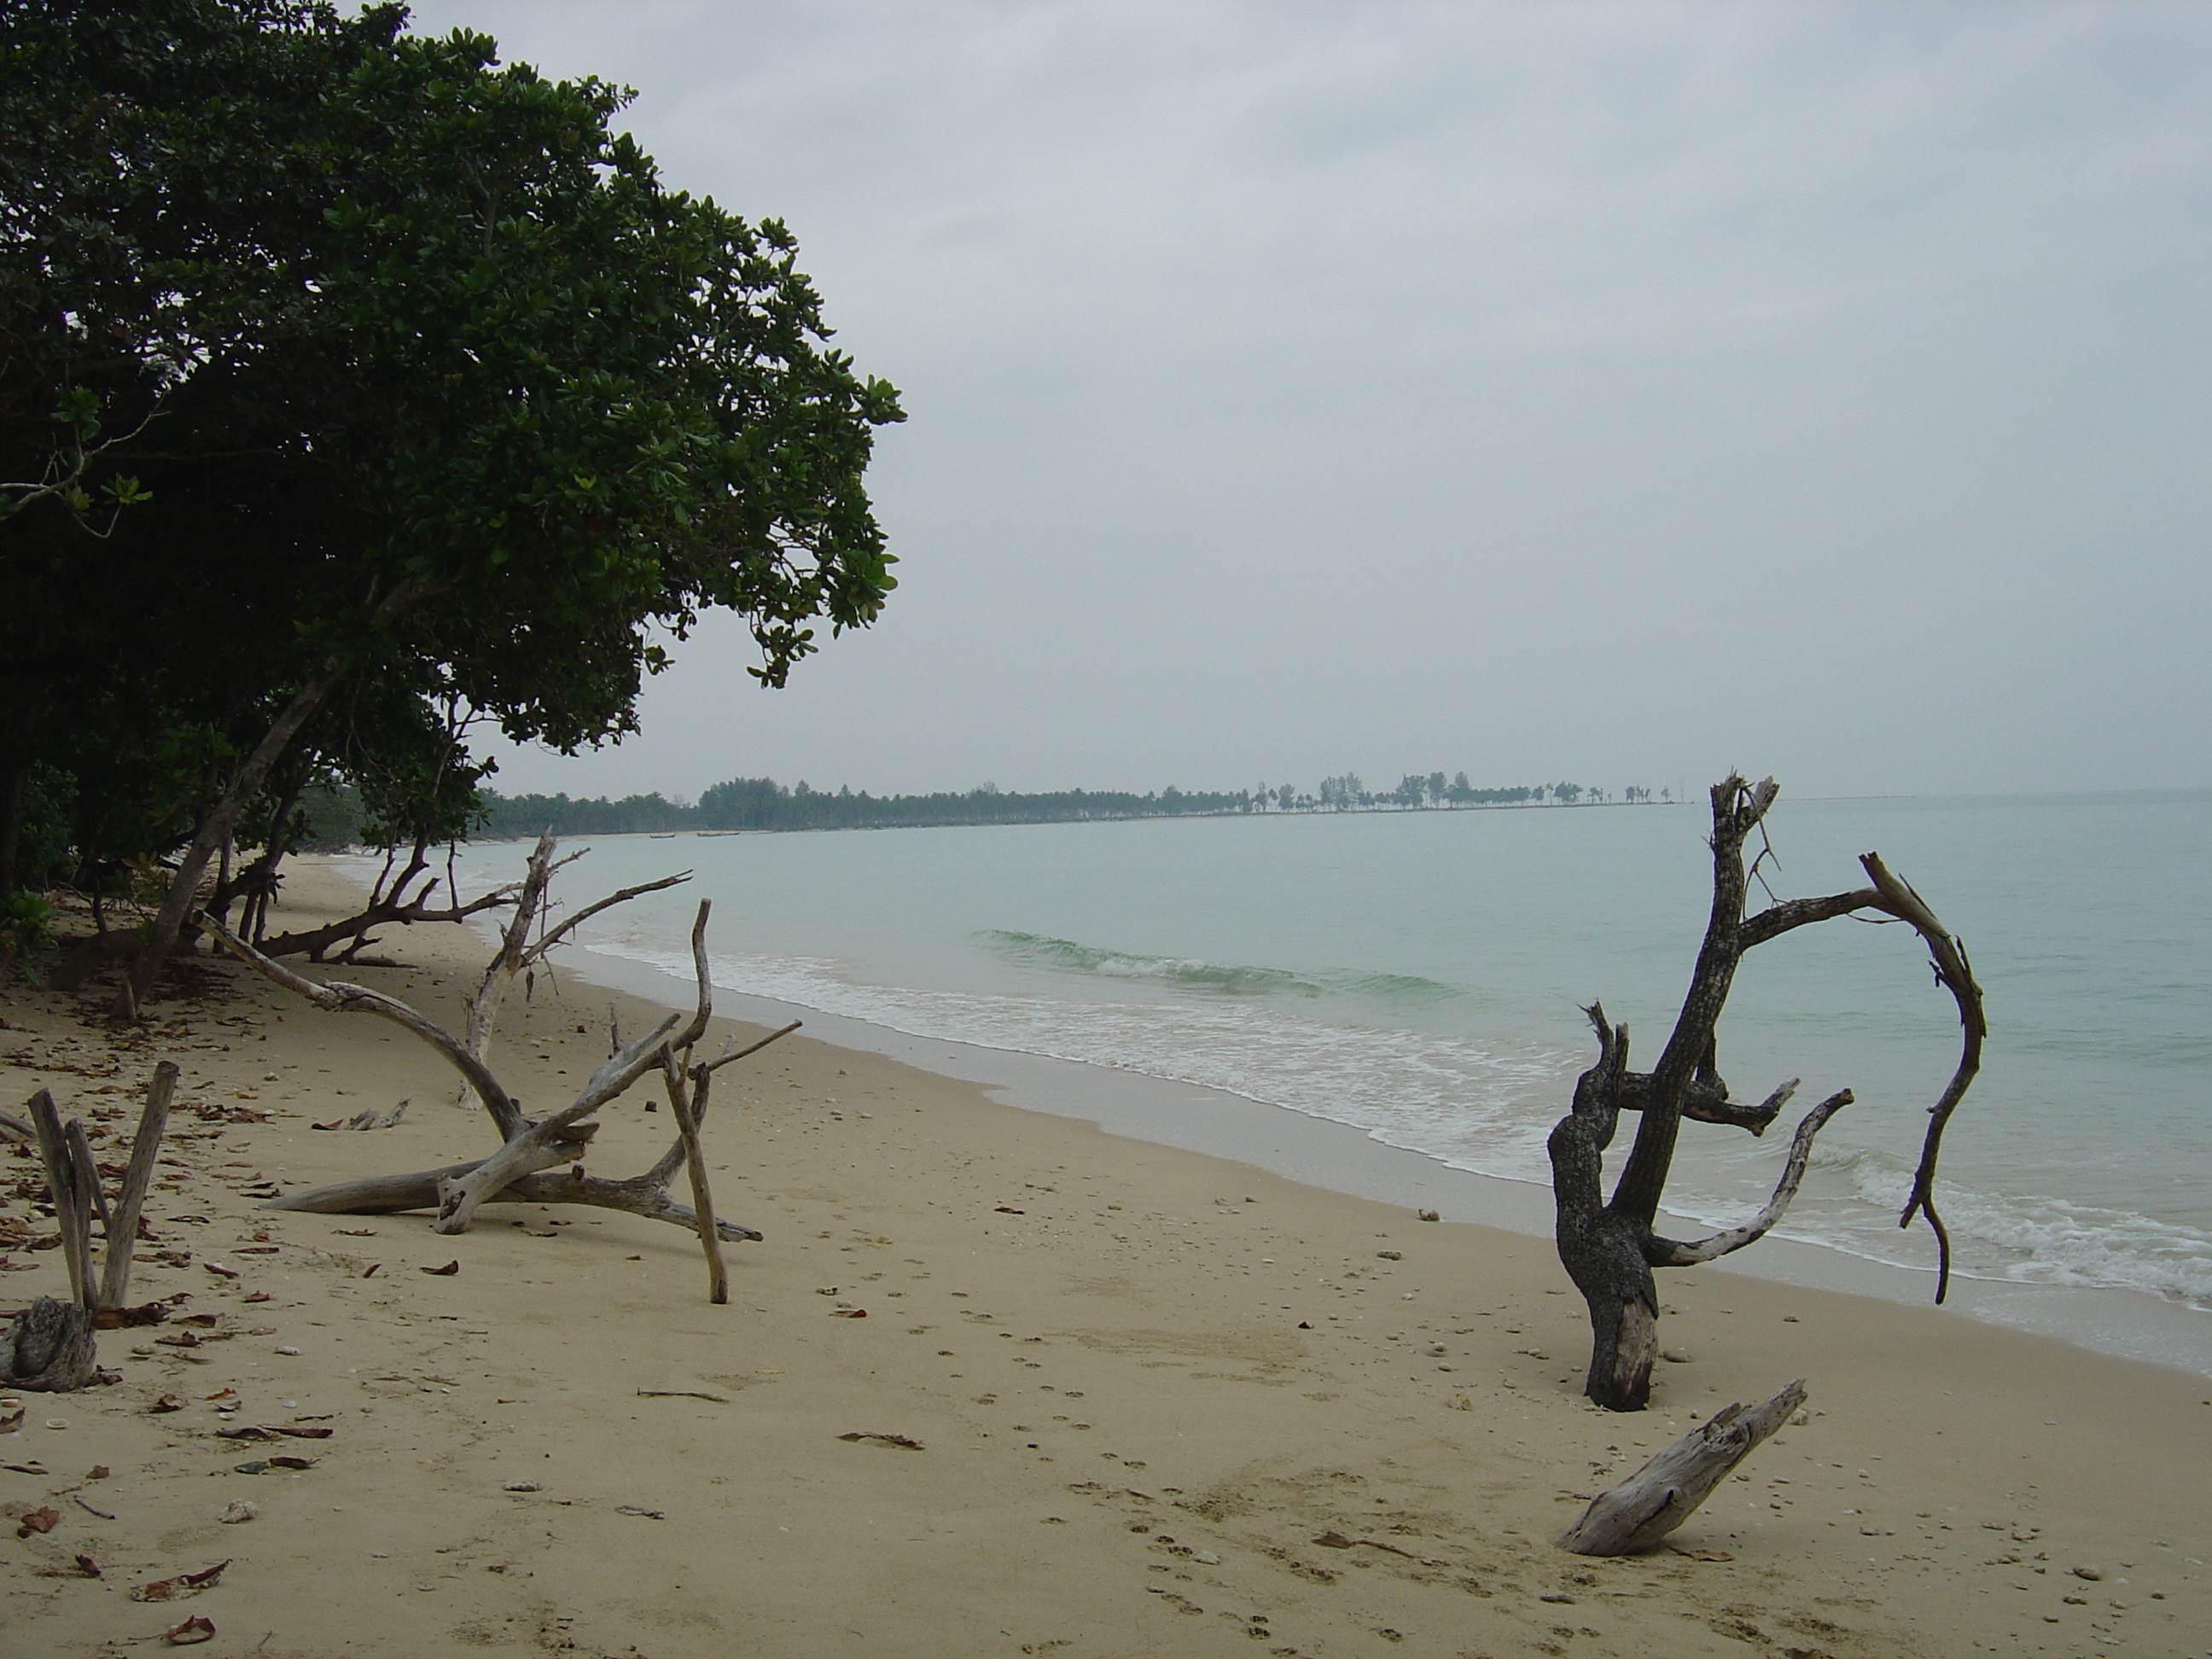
(1665, 1492)
(391, 1195)
(522, 1169)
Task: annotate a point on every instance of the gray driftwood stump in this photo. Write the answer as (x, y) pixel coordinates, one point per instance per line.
(48, 1349)
(1664, 1493)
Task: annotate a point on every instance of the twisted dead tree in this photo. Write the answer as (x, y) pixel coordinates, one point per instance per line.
(49, 1346)
(529, 1148)
(1609, 1249)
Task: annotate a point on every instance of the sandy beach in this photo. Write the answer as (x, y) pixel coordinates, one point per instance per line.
(993, 1383)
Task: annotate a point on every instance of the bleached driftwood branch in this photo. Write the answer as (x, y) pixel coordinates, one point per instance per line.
(1666, 1492)
(49, 1348)
(529, 1149)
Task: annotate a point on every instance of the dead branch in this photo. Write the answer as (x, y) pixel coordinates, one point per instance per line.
(50, 1347)
(644, 1195)
(1666, 1252)
(1666, 1492)
(341, 998)
(687, 1100)
(459, 1197)
(517, 954)
(518, 1170)
(137, 1179)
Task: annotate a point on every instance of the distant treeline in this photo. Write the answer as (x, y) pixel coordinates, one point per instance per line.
(764, 804)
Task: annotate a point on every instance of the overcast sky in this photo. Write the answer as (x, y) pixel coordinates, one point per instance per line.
(1608, 392)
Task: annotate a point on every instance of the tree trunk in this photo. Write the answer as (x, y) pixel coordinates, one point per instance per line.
(12, 781)
(1609, 1249)
(221, 819)
(216, 828)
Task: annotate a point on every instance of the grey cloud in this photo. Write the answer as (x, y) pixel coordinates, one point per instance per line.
(1608, 390)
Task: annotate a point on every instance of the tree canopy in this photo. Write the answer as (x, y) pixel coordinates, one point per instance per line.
(351, 379)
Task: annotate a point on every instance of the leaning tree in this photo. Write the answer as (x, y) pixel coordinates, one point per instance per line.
(1610, 1247)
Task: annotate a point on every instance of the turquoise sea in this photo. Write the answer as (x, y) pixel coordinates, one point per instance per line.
(1418, 976)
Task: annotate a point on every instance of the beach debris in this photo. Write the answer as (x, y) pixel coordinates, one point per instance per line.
(192, 1631)
(12, 1422)
(39, 1520)
(1675, 1356)
(88, 1508)
(1609, 1246)
(2091, 1573)
(904, 1443)
(1008, 1209)
(1390, 1256)
(521, 1486)
(184, 1584)
(49, 1345)
(446, 1272)
(682, 1394)
(1426, 1215)
(369, 1118)
(643, 1514)
(1701, 1555)
(117, 1319)
(849, 1312)
(238, 1512)
(521, 1171)
(1636, 1515)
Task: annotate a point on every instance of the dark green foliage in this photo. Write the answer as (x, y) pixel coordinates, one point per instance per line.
(352, 373)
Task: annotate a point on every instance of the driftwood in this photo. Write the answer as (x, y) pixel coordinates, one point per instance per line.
(390, 903)
(49, 1348)
(518, 1171)
(1609, 1249)
(1658, 1497)
(518, 954)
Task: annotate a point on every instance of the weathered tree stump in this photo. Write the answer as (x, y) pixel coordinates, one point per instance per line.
(1641, 1510)
(49, 1348)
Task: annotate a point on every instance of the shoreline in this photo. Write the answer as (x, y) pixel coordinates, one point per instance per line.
(1159, 1400)
(1323, 1152)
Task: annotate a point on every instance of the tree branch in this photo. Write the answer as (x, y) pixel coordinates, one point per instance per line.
(341, 998)
(1955, 974)
(1667, 1253)
(459, 1197)
(1737, 807)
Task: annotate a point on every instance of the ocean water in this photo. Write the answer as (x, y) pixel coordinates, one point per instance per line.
(1418, 977)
